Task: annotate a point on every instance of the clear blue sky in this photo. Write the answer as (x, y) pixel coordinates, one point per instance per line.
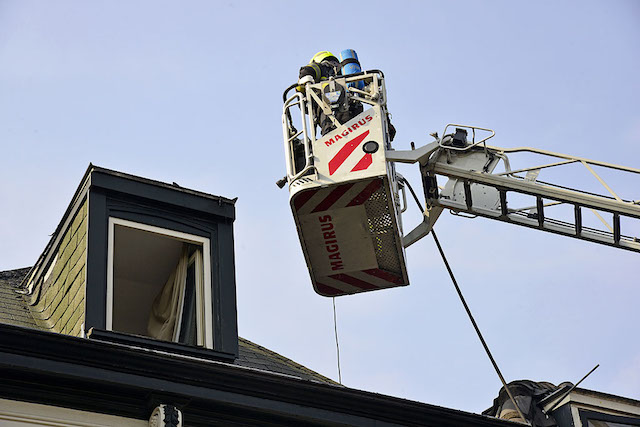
(191, 92)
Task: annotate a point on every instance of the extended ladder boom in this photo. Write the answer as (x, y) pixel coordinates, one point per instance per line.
(474, 188)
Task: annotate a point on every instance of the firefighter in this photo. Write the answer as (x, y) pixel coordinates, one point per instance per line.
(323, 65)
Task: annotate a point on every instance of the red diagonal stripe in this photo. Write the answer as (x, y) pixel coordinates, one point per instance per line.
(332, 197)
(345, 152)
(364, 163)
(303, 198)
(353, 281)
(328, 290)
(366, 193)
(385, 275)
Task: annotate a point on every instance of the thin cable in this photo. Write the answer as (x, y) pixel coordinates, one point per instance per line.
(335, 330)
(475, 325)
(413, 193)
(466, 307)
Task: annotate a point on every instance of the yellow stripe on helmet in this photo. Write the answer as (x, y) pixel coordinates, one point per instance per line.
(322, 55)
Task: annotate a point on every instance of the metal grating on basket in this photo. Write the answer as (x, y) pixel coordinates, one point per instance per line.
(382, 231)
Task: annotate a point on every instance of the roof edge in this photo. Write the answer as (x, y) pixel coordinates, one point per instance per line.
(79, 195)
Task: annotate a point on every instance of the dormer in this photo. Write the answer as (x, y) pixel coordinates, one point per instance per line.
(141, 259)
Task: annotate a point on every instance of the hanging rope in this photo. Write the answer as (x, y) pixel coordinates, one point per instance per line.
(335, 330)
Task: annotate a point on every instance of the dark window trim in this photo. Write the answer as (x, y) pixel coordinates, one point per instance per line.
(162, 192)
(125, 200)
(586, 415)
(157, 345)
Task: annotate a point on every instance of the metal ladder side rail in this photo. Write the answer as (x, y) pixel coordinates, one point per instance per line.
(603, 203)
(568, 158)
(579, 200)
(565, 160)
(549, 225)
(296, 99)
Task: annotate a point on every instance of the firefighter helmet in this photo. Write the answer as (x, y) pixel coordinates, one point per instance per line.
(322, 55)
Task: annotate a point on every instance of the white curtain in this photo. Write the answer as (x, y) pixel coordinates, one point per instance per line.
(167, 306)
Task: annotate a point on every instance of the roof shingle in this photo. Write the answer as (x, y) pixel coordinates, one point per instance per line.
(14, 311)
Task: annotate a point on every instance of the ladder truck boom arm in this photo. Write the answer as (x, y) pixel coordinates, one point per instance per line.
(348, 200)
(474, 188)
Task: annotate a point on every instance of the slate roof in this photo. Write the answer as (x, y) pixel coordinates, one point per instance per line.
(14, 311)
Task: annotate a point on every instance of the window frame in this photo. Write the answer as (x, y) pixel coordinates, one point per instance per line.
(595, 415)
(204, 315)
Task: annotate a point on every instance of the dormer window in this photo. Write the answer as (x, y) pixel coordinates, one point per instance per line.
(159, 283)
(145, 260)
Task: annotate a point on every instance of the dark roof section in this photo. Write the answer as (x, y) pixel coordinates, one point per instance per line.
(257, 357)
(14, 311)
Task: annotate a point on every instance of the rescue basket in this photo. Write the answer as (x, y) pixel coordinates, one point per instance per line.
(342, 192)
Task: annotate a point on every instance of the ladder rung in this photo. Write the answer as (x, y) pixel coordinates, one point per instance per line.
(503, 202)
(467, 194)
(553, 226)
(540, 209)
(578, 219)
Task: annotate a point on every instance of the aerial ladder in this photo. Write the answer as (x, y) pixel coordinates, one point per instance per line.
(347, 198)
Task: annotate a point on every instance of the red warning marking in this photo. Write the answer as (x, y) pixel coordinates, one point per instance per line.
(366, 193)
(384, 275)
(332, 197)
(364, 163)
(345, 152)
(303, 198)
(354, 281)
(328, 290)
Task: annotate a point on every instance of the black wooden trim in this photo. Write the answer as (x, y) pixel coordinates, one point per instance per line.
(161, 192)
(118, 379)
(586, 415)
(96, 273)
(226, 290)
(105, 204)
(158, 217)
(157, 345)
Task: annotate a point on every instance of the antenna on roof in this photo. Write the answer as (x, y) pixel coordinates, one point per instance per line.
(566, 393)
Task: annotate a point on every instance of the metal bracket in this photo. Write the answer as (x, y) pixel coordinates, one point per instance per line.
(420, 155)
(423, 228)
